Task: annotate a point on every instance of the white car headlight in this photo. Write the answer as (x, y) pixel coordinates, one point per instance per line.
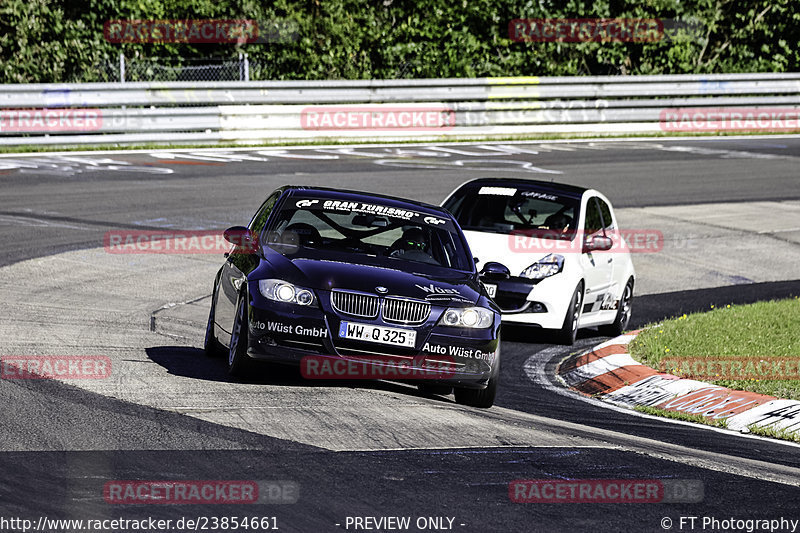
(283, 291)
(467, 317)
(547, 266)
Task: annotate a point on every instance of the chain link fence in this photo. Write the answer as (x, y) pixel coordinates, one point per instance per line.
(210, 69)
(155, 69)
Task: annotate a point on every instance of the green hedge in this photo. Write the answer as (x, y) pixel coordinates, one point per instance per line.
(62, 40)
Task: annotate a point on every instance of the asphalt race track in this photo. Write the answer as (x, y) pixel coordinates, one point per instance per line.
(730, 212)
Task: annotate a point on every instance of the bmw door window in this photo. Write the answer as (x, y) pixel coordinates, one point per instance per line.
(260, 218)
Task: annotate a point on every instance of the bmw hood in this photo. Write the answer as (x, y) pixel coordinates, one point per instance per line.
(454, 288)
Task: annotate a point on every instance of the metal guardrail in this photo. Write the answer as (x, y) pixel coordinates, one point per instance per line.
(111, 113)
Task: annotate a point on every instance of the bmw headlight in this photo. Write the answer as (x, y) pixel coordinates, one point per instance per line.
(547, 266)
(467, 317)
(283, 291)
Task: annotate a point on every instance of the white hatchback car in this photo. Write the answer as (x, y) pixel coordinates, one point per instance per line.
(550, 255)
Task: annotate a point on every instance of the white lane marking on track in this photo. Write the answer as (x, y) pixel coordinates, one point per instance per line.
(70, 165)
(488, 150)
(21, 220)
(287, 155)
(474, 164)
(220, 157)
(763, 232)
(724, 154)
(348, 151)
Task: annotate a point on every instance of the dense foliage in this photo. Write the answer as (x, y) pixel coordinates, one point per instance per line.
(62, 40)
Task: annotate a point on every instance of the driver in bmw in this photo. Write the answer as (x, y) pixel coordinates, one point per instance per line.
(412, 246)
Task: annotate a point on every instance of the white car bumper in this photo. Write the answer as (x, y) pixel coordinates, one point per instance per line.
(554, 294)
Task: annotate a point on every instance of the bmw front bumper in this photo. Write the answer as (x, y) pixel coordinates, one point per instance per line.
(286, 333)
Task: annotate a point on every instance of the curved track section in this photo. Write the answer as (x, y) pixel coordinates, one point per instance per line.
(365, 449)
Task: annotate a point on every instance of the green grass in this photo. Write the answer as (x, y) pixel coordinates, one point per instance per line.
(754, 331)
(676, 415)
(783, 434)
(337, 141)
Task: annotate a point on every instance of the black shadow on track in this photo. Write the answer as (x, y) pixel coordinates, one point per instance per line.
(471, 486)
(655, 307)
(193, 363)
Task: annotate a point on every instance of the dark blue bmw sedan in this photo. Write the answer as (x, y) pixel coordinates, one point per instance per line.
(347, 276)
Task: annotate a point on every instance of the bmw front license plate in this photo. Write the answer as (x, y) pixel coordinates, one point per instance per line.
(379, 334)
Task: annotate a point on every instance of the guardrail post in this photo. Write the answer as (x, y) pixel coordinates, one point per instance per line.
(121, 67)
(246, 68)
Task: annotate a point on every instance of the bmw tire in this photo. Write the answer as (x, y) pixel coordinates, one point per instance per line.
(482, 398)
(211, 346)
(239, 363)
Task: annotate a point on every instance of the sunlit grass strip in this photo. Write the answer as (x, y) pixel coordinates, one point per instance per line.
(676, 415)
(769, 431)
(754, 331)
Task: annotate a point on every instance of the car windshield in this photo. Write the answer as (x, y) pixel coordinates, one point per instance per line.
(511, 210)
(395, 235)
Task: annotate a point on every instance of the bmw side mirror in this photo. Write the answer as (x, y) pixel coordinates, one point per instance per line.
(598, 242)
(493, 269)
(245, 240)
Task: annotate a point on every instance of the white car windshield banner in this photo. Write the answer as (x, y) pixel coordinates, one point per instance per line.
(498, 191)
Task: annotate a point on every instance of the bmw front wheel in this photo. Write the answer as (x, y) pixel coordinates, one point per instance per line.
(239, 363)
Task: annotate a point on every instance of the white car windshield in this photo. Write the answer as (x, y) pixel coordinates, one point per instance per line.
(511, 210)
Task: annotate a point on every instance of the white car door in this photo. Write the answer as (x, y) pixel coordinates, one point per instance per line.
(618, 256)
(597, 265)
